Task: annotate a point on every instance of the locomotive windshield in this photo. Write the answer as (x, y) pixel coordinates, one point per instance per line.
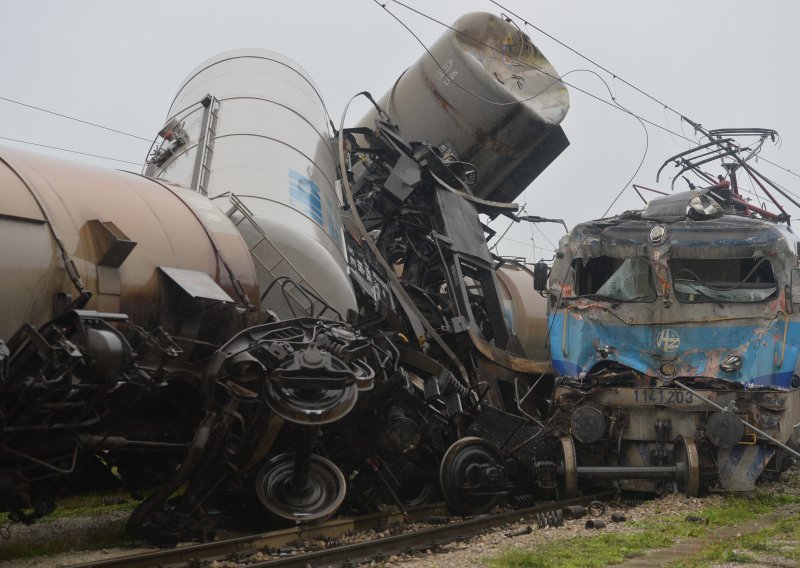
(722, 279)
(615, 279)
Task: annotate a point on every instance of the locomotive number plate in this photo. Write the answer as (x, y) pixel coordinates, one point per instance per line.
(662, 396)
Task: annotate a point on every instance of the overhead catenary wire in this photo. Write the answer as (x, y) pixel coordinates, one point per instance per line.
(558, 79)
(71, 151)
(616, 77)
(613, 104)
(68, 117)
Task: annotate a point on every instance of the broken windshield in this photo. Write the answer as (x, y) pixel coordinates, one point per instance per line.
(722, 279)
(613, 279)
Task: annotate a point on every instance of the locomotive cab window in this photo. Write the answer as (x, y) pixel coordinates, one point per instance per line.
(614, 279)
(723, 279)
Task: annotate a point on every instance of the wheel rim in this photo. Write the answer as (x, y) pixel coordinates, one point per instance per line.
(687, 463)
(321, 499)
(568, 468)
(311, 407)
(458, 471)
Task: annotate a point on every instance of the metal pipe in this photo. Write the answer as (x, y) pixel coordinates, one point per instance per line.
(628, 472)
(302, 459)
(753, 428)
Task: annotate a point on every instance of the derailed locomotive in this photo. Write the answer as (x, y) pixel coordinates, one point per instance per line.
(674, 336)
(249, 336)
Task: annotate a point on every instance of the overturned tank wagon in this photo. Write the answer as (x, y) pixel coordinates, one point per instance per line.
(279, 317)
(674, 334)
(128, 332)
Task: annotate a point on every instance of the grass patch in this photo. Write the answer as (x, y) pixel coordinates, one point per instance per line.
(779, 540)
(84, 506)
(110, 534)
(610, 548)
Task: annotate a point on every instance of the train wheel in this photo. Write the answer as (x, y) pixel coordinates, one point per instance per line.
(567, 469)
(687, 463)
(472, 476)
(311, 407)
(321, 497)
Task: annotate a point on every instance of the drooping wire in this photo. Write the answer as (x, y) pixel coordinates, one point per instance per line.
(581, 55)
(68, 117)
(599, 99)
(558, 79)
(72, 151)
(614, 104)
(453, 81)
(615, 76)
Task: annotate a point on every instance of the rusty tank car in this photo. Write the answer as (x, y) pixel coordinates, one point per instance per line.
(308, 321)
(141, 289)
(674, 337)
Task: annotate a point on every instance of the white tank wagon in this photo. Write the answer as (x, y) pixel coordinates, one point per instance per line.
(249, 130)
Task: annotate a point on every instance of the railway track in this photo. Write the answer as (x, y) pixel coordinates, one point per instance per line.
(278, 543)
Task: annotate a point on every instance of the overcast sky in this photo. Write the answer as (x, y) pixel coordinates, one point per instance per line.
(722, 63)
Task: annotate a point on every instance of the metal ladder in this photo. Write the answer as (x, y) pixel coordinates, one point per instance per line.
(205, 144)
(294, 287)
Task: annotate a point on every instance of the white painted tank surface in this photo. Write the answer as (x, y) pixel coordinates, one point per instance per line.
(249, 129)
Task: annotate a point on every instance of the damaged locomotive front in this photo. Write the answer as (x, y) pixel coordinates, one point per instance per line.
(674, 333)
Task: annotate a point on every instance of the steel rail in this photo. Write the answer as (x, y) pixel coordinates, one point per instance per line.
(335, 529)
(425, 538)
(250, 544)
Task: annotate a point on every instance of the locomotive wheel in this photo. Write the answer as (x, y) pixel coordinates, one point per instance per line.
(320, 499)
(567, 469)
(311, 407)
(468, 464)
(687, 463)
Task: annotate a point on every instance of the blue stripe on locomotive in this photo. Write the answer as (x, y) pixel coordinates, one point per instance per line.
(703, 346)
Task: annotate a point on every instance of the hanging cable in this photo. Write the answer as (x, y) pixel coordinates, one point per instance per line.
(615, 76)
(68, 150)
(75, 119)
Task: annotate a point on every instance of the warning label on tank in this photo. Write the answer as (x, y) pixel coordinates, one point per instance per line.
(304, 196)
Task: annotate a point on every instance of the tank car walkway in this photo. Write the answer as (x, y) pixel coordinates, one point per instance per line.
(681, 551)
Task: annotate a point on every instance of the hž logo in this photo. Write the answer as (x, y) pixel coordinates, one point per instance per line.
(668, 340)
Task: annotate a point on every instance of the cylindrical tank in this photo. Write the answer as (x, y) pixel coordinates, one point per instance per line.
(148, 249)
(253, 124)
(525, 310)
(487, 93)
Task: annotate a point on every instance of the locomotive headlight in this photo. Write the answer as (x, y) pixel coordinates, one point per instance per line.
(658, 234)
(668, 369)
(732, 363)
